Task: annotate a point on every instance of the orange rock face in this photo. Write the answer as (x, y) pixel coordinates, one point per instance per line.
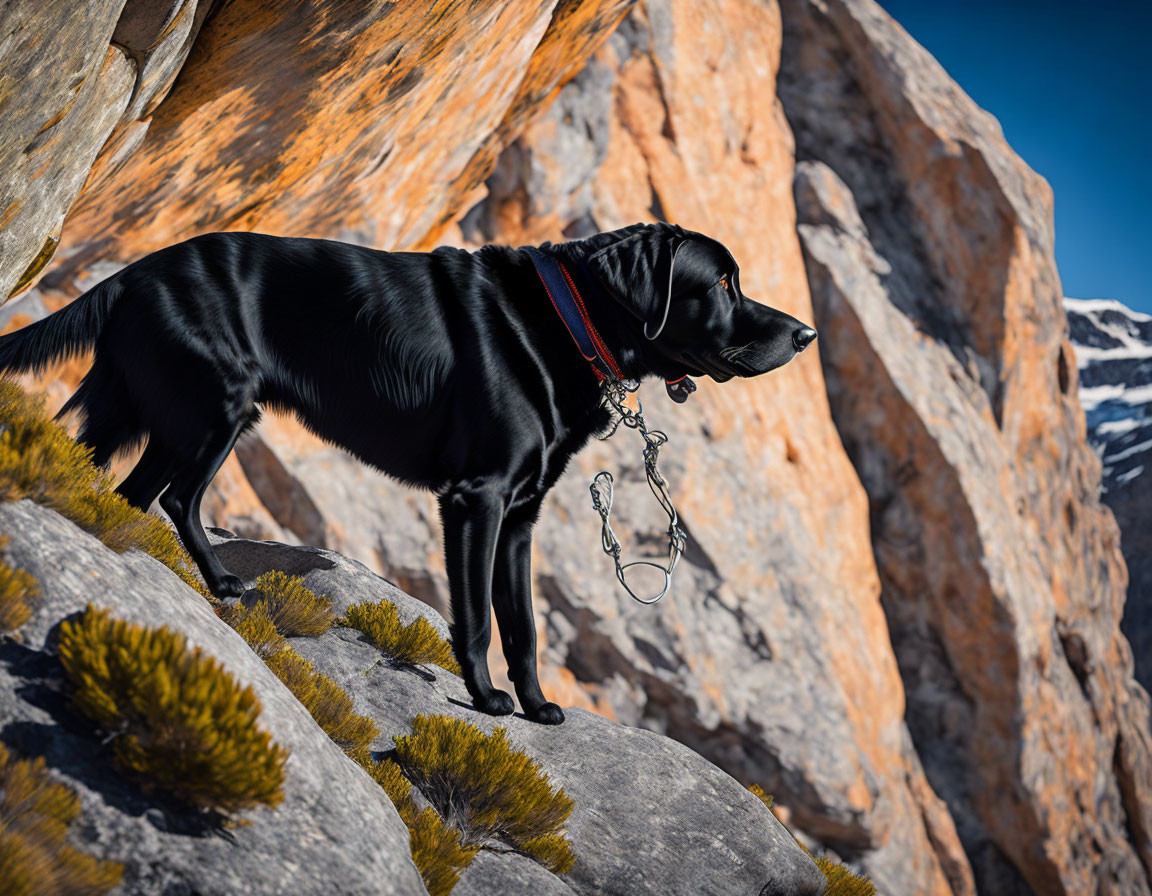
(333, 122)
(677, 118)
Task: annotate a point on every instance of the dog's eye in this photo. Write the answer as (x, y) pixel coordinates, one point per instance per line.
(724, 284)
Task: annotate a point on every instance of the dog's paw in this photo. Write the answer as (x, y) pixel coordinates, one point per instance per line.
(497, 703)
(227, 586)
(546, 714)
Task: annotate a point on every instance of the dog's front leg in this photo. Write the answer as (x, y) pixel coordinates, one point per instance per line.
(512, 598)
(471, 519)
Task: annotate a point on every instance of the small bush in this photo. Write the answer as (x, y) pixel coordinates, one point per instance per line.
(437, 849)
(256, 627)
(35, 856)
(328, 703)
(179, 721)
(40, 462)
(18, 590)
(480, 785)
(293, 608)
(841, 881)
(758, 792)
(412, 644)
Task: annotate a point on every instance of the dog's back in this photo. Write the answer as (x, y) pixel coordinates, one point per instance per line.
(228, 321)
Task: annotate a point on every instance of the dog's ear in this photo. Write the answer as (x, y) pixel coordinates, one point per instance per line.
(637, 272)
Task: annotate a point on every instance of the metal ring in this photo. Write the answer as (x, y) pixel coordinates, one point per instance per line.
(663, 591)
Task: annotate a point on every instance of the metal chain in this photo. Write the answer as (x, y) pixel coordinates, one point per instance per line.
(614, 393)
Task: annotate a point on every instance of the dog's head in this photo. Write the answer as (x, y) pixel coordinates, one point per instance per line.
(683, 288)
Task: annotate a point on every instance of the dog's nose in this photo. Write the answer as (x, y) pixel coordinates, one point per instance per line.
(803, 337)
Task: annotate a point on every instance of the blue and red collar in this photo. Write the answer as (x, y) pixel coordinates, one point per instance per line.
(570, 306)
(561, 289)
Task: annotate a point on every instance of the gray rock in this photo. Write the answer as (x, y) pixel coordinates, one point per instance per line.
(158, 37)
(652, 816)
(493, 875)
(62, 90)
(335, 832)
(345, 581)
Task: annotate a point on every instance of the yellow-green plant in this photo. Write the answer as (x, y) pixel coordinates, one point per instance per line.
(256, 627)
(35, 856)
(40, 462)
(18, 590)
(329, 704)
(758, 792)
(413, 644)
(293, 608)
(489, 791)
(841, 880)
(179, 721)
(437, 849)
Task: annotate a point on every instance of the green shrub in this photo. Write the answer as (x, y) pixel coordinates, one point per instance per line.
(18, 590)
(841, 881)
(40, 462)
(437, 849)
(480, 785)
(412, 644)
(293, 608)
(35, 856)
(256, 627)
(758, 792)
(179, 721)
(328, 703)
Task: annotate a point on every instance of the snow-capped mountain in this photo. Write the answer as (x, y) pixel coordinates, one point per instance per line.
(1114, 356)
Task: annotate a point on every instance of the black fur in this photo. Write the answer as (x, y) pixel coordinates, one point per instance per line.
(448, 370)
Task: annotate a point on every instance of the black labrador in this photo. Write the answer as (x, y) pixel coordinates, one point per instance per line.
(449, 370)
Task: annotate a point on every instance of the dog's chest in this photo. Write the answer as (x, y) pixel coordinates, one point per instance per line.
(553, 454)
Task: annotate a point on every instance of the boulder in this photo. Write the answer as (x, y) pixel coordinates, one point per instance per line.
(335, 831)
(651, 816)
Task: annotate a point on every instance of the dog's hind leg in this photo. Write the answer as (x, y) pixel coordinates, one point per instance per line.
(181, 501)
(150, 476)
(512, 600)
(471, 518)
(110, 423)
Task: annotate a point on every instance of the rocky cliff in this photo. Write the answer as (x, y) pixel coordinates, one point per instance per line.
(900, 608)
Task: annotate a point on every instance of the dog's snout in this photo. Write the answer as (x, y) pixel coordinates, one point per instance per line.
(803, 337)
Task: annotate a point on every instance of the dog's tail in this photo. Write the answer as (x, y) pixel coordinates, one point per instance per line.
(60, 336)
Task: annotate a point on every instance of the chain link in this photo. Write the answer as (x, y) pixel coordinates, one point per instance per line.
(613, 394)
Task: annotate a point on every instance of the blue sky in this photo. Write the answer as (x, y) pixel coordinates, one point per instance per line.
(1071, 84)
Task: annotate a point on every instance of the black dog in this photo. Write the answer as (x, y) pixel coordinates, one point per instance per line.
(450, 370)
